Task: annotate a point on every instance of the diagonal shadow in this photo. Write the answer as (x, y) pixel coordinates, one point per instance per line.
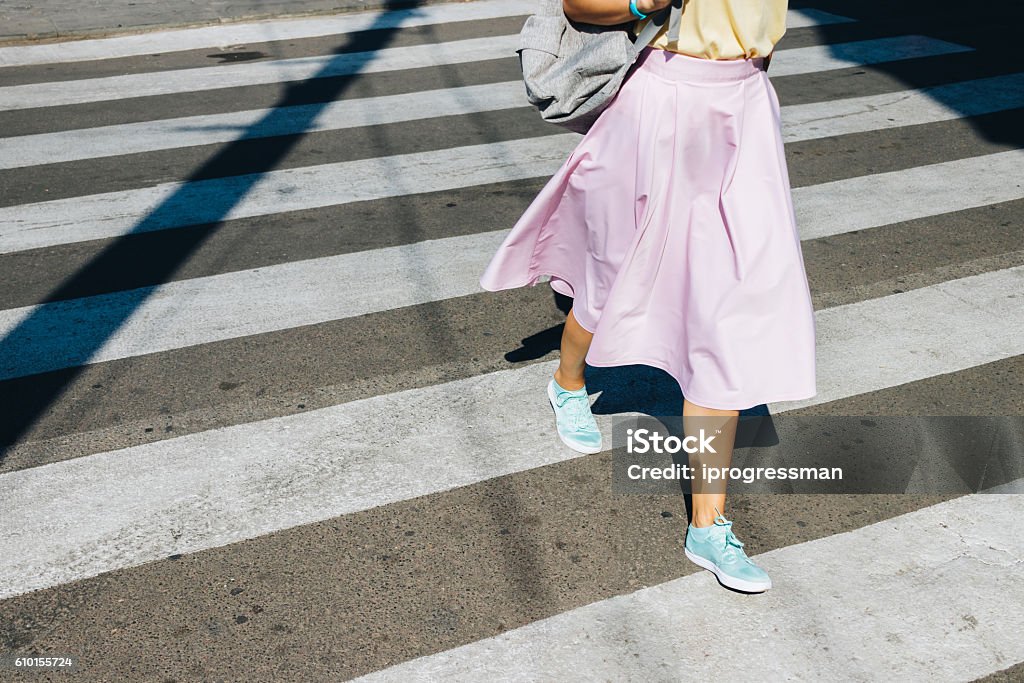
(991, 29)
(518, 545)
(50, 322)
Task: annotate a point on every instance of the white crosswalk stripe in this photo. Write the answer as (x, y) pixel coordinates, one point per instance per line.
(175, 205)
(127, 503)
(902, 108)
(149, 136)
(801, 122)
(260, 73)
(789, 63)
(987, 179)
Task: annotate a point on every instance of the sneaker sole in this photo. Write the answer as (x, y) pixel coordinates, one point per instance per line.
(575, 447)
(725, 579)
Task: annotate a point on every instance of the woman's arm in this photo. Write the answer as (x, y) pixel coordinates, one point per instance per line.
(608, 12)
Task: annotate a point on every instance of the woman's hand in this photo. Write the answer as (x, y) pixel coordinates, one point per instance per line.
(608, 12)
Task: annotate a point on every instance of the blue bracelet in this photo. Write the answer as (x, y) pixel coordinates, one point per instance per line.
(636, 13)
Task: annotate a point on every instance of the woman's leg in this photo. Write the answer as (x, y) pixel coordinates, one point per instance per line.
(576, 424)
(709, 495)
(710, 542)
(575, 344)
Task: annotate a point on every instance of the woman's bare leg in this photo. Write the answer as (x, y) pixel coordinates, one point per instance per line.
(570, 375)
(575, 344)
(708, 496)
(714, 546)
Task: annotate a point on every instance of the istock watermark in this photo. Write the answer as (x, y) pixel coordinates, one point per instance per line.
(746, 475)
(652, 441)
(818, 454)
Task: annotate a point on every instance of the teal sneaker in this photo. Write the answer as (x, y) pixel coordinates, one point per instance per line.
(576, 424)
(717, 549)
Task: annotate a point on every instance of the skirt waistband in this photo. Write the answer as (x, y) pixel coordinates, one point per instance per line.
(677, 66)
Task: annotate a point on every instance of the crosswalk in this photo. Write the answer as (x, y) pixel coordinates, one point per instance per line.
(802, 122)
(33, 95)
(261, 422)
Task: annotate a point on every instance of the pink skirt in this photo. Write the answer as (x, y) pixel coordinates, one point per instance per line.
(671, 226)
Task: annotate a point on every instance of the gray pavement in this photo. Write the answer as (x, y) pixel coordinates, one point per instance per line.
(276, 596)
(65, 19)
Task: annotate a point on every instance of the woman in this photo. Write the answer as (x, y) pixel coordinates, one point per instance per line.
(671, 226)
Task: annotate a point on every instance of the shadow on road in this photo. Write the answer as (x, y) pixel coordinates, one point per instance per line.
(991, 29)
(315, 92)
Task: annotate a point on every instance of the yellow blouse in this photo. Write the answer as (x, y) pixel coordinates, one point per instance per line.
(725, 29)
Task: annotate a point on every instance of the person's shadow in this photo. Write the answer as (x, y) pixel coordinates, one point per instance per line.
(639, 388)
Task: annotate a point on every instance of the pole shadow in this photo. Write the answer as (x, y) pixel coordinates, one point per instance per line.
(50, 330)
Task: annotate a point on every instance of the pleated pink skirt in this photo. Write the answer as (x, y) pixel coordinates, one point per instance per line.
(671, 226)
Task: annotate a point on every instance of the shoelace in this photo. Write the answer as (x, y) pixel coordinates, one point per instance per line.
(730, 538)
(579, 410)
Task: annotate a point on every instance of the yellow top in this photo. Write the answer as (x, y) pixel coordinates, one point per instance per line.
(725, 29)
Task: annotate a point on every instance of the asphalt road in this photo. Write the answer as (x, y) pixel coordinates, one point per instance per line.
(23, 22)
(260, 423)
